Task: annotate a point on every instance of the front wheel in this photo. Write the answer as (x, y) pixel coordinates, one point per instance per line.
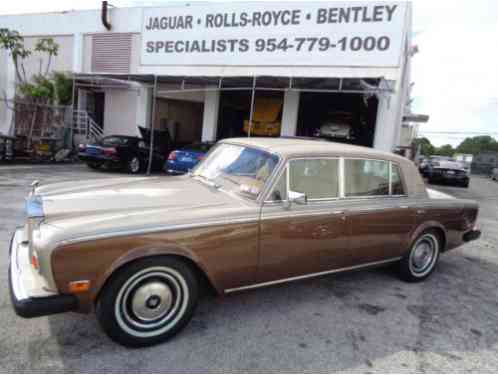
(422, 258)
(148, 301)
(134, 165)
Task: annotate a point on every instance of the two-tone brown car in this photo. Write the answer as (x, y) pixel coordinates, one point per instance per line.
(255, 212)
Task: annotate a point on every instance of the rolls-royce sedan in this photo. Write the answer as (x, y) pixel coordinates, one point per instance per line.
(254, 212)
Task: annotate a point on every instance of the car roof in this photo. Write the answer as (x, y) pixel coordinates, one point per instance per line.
(290, 147)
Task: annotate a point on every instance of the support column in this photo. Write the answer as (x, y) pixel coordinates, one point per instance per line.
(144, 106)
(82, 100)
(290, 113)
(387, 120)
(384, 123)
(210, 117)
(77, 53)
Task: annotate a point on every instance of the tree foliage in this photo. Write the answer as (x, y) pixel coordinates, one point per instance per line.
(426, 147)
(13, 42)
(474, 145)
(445, 150)
(470, 145)
(51, 88)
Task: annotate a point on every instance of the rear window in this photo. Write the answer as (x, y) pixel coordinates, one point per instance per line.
(119, 141)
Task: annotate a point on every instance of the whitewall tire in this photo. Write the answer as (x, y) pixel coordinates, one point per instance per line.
(148, 301)
(421, 260)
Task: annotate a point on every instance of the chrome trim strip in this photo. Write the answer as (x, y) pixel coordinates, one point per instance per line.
(15, 273)
(164, 228)
(342, 184)
(293, 214)
(364, 265)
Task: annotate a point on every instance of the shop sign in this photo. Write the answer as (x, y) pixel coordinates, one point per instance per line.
(286, 34)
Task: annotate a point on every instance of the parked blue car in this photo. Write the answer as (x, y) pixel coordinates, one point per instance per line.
(182, 160)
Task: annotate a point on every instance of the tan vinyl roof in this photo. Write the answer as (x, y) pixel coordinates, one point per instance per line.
(295, 147)
(289, 147)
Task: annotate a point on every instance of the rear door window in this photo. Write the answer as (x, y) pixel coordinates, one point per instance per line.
(317, 178)
(366, 177)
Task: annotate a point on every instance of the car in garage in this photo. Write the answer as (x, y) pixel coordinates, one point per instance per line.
(448, 172)
(186, 158)
(255, 212)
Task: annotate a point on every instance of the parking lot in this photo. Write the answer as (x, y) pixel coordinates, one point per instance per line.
(367, 321)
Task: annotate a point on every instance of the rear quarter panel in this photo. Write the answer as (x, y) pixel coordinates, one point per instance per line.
(453, 216)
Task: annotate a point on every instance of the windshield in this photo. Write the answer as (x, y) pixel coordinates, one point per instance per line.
(237, 168)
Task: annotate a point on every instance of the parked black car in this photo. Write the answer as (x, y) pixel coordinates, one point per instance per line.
(127, 152)
(448, 172)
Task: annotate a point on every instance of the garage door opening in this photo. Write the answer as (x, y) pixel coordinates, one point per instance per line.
(235, 109)
(181, 118)
(339, 117)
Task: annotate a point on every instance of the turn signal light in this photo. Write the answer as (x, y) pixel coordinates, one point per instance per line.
(109, 151)
(79, 286)
(172, 155)
(34, 262)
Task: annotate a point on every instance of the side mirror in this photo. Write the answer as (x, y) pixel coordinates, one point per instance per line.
(295, 197)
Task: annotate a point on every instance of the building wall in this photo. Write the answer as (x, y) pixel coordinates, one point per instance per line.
(120, 112)
(73, 30)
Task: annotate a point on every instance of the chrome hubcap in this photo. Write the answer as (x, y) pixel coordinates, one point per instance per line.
(423, 255)
(135, 164)
(152, 300)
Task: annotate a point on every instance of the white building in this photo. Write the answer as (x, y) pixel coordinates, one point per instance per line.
(323, 61)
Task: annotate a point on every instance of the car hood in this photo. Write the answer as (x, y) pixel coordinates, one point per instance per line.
(84, 208)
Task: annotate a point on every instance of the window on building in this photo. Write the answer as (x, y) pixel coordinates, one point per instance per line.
(366, 177)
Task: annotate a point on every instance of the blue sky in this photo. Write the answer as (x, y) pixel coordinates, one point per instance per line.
(455, 72)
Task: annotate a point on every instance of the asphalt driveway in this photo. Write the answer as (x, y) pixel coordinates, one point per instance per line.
(358, 322)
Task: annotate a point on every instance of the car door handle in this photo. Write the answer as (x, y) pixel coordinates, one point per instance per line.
(421, 212)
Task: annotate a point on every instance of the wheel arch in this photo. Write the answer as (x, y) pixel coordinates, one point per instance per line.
(140, 254)
(431, 225)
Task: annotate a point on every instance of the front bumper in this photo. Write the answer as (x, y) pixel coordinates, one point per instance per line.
(472, 235)
(29, 294)
(97, 158)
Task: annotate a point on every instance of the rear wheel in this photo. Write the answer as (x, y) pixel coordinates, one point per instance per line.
(422, 258)
(134, 165)
(148, 301)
